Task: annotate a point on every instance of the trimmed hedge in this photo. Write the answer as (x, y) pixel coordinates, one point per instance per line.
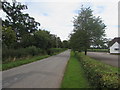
(98, 50)
(100, 75)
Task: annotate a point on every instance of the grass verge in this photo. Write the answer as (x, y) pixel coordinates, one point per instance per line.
(16, 63)
(74, 75)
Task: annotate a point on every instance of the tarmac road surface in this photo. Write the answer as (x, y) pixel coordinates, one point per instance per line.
(46, 73)
(105, 57)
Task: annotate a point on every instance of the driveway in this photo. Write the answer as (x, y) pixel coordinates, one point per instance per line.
(46, 73)
(105, 57)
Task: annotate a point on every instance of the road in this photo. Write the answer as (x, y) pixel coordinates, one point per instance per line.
(46, 73)
(105, 57)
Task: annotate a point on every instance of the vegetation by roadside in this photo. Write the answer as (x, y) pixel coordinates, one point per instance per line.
(100, 75)
(21, 62)
(74, 75)
(98, 50)
(18, 62)
(9, 55)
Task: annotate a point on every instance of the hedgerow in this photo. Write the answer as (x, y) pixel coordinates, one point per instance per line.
(21, 52)
(99, 75)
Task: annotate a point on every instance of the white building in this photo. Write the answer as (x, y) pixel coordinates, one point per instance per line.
(115, 45)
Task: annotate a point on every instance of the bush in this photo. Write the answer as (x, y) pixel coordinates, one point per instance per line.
(56, 50)
(9, 54)
(98, 50)
(21, 52)
(99, 74)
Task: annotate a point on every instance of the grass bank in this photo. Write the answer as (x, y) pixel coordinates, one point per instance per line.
(16, 63)
(74, 75)
(20, 62)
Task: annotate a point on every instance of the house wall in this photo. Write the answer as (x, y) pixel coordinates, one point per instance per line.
(115, 46)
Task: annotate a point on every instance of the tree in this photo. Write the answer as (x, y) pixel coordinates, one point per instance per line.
(58, 42)
(65, 44)
(19, 22)
(42, 39)
(8, 36)
(87, 29)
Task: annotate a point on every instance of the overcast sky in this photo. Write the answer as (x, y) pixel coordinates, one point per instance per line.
(56, 16)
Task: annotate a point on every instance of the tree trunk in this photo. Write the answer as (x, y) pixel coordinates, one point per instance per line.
(85, 52)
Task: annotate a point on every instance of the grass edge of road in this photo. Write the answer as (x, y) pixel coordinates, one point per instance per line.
(17, 63)
(74, 74)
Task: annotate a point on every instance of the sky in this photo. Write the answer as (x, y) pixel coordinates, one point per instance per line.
(56, 16)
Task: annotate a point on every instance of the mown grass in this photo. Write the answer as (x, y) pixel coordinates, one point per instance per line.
(20, 62)
(74, 75)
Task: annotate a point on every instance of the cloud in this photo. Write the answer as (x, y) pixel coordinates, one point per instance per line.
(56, 16)
(59, 17)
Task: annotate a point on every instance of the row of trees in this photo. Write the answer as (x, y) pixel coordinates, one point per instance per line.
(20, 30)
(89, 31)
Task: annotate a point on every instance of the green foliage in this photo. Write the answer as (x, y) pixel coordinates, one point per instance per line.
(21, 52)
(25, 29)
(8, 36)
(55, 50)
(98, 50)
(74, 76)
(99, 74)
(16, 63)
(27, 40)
(22, 36)
(42, 39)
(65, 44)
(20, 23)
(26, 51)
(87, 29)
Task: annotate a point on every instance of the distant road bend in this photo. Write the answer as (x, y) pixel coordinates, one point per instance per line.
(46, 73)
(106, 58)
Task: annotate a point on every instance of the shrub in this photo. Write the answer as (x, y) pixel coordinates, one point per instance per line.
(24, 52)
(21, 52)
(32, 50)
(99, 74)
(55, 50)
(98, 50)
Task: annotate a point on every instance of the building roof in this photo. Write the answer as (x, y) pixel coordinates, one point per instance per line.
(117, 39)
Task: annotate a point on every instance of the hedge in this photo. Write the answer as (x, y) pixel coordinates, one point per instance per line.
(98, 50)
(9, 54)
(21, 52)
(56, 50)
(99, 75)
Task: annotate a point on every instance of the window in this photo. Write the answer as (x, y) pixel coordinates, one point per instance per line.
(116, 49)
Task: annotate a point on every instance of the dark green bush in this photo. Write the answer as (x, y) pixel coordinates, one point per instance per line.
(24, 52)
(21, 52)
(100, 75)
(56, 50)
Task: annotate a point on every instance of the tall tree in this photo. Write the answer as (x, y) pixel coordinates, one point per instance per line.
(20, 23)
(87, 29)
(65, 44)
(42, 39)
